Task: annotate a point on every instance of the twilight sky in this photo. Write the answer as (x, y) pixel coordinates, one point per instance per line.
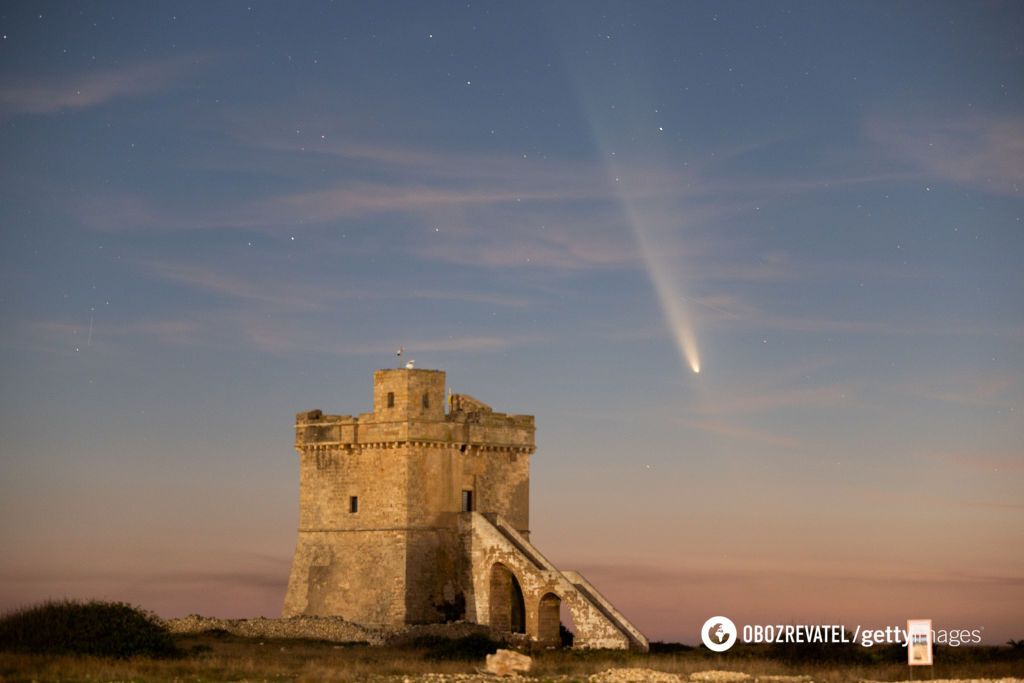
(214, 215)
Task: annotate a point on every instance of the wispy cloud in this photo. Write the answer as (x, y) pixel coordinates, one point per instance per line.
(629, 574)
(1004, 463)
(67, 335)
(567, 239)
(278, 293)
(270, 579)
(776, 399)
(255, 330)
(733, 430)
(726, 309)
(92, 88)
(358, 199)
(984, 153)
(280, 336)
(969, 390)
(219, 282)
(498, 210)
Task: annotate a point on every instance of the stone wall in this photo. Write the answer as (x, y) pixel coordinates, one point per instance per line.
(397, 559)
(320, 628)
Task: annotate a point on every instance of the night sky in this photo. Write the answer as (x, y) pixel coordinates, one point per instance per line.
(214, 215)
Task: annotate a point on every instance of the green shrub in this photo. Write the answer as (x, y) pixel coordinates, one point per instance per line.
(104, 629)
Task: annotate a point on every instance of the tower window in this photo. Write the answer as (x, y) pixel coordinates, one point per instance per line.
(467, 501)
(353, 504)
(426, 400)
(391, 399)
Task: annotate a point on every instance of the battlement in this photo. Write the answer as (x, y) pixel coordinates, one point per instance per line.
(409, 408)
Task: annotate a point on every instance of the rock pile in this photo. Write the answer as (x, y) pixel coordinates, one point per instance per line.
(507, 663)
(719, 677)
(633, 676)
(333, 629)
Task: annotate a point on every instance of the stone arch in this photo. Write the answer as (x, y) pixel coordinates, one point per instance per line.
(507, 607)
(549, 619)
(568, 620)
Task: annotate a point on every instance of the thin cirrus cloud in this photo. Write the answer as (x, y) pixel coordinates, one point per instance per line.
(253, 329)
(735, 431)
(342, 201)
(65, 334)
(257, 290)
(729, 310)
(778, 398)
(93, 88)
(271, 293)
(169, 593)
(270, 579)
(967, 390)
(278, 336)
(505, 211)
(984, 153)
(1006, 462)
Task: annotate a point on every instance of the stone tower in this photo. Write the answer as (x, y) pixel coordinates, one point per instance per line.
(419, 513)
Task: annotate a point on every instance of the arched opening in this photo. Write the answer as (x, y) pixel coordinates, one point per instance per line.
(508, 610)
(549, 619)
(567, 628)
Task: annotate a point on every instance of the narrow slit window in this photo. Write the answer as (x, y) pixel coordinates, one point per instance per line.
(467, 501)
(391, 399)
(353, 504)
(426, 401)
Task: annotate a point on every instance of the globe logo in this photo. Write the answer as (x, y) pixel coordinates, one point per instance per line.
(718, 634)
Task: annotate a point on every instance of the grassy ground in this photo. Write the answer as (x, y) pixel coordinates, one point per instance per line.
(221, 657)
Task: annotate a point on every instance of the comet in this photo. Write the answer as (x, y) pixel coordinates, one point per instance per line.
(645, 220)
(666, 288)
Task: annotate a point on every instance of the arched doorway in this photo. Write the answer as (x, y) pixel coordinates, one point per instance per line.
(549, 619)
(508, 610)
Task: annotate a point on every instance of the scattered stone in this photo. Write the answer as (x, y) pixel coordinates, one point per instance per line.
(965, 680)
(719, 677)
(507, 663)
(634, 675)
(334, 629)
(453, 630)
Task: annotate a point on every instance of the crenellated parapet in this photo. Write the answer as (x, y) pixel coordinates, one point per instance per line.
(467, 431)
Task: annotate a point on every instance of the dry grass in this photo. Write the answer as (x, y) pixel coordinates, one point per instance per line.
(228, 658)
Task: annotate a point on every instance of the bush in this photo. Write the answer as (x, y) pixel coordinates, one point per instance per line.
(659, 647)
(104, 629)
(468, 648)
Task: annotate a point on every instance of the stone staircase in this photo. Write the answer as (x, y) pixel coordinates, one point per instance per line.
(493, 541)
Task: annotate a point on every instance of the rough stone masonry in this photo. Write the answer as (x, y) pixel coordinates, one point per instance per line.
(419, 512)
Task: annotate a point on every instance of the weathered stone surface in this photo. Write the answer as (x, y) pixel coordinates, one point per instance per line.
(633, 676)
(507, 662)
(384, 537)
(719, 677)
(321, 628)
(460, 629)
(509, 575)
